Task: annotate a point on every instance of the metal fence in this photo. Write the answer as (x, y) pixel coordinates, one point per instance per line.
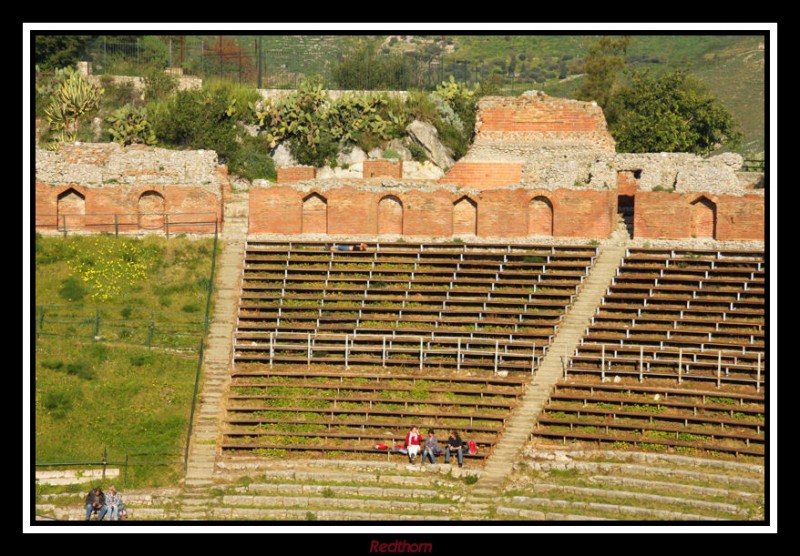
(278, 62)
(128, 223)
(122, 325)
(126, 457)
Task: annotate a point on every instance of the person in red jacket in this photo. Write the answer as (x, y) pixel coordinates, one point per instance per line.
(413, 440)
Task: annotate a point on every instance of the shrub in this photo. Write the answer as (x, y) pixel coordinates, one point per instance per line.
(54, 364)
(80, 369)
(191, 308)
(72, 289)
(57, 403)
(417, 152)
(315, 154)
(158, 85)
(391, 154)
(252, 160)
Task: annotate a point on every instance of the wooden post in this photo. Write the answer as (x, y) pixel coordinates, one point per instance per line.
(758, 374)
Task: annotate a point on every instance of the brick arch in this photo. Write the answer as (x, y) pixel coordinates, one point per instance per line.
(465, 217)
(540, 216)
(315, 214)
(390, 215)
(151, 207)
(704, 217)
(71, 205)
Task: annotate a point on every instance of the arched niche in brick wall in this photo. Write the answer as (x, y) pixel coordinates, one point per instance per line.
(540, 216)
(465, 217)
(71, 208)
(390, 215)
(315, 214)
(151, 208)
(704, 218)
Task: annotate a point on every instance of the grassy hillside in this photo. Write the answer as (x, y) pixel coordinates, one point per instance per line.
(97, 384)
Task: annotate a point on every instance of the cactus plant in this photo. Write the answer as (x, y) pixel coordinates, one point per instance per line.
(74, 98)
(130, 125)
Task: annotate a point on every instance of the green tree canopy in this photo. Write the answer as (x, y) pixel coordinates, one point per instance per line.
(671, 113)
(605, 59)
(56, 51)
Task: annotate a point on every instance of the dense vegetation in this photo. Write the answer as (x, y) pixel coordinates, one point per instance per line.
(110, 391)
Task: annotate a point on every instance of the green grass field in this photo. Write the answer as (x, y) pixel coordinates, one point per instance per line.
(110, 391)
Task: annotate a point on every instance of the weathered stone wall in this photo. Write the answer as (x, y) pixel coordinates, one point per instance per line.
(428, 209)
(278, 94)
(482, 175)
(107, 179)
(535, 120)
(663, 215)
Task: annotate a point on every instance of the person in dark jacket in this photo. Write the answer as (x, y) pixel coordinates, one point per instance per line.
(95, 500)
(454, 446)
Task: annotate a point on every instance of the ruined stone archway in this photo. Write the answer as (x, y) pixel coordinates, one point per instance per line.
(151, 208)
(465, 217)
(315, 214)
(390, 215)
(704, 218)
(540, 217)
(71, 208)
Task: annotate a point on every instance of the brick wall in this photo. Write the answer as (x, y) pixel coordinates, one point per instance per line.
(627, 182)
(661, 215)
(383, 168)
(296, 173)
(483, 175)
(436, 213)
(189, 209)
(536, 118)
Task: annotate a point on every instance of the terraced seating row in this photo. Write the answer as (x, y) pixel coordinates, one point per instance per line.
(321, 410)
(447, 294)
(586, 409)
(391, 350)
(680, 365)
(684, 332)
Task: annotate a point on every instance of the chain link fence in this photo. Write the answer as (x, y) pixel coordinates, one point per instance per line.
(283, 62)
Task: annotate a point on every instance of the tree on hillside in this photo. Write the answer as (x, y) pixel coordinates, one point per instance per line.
(605, 59)
(56, 51)
(671, 113)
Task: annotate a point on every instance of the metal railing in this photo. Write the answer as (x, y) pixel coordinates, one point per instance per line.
(412, 350)
(132, 457)
(129, 223)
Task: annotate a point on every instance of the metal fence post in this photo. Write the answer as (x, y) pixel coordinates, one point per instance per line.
(166, 224)
(116, 225)
(41, 321)
(64, 224)
(152, 330)
(758, 374)
(96, 322)
(105, 461)
(603, 363)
